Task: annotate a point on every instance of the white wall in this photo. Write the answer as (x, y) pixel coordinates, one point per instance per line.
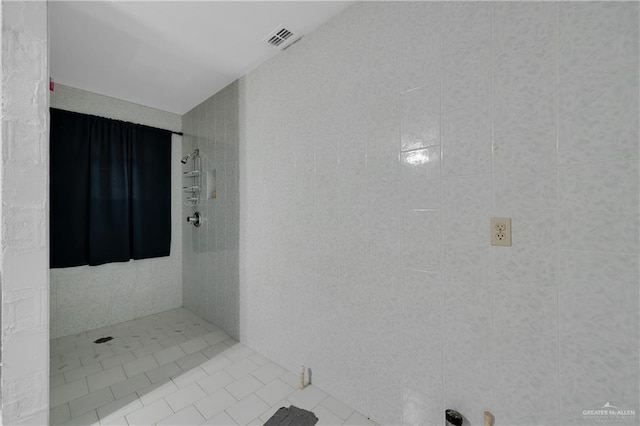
(87, 297)
(372, 155)
(24, 258)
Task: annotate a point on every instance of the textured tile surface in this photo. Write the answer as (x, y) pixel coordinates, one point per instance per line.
(401, 128)
(593, 371)
(192, 397)
(599, 207)
(590, 284)
(597, 58)
(25, 204)
(467, 205)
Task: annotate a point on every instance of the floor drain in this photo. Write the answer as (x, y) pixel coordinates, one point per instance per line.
(103, 339)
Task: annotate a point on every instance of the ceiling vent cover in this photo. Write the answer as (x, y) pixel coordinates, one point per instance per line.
(281, 37)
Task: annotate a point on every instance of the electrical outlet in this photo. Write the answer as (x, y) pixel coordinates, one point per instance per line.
(500, 231)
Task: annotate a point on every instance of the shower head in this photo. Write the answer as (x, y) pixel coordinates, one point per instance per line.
(186, 157)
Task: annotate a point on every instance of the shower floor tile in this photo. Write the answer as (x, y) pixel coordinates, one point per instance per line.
(175, 368)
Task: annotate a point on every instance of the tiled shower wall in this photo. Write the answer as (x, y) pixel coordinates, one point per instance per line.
(372, 155)
(87, 297)
(210, 268)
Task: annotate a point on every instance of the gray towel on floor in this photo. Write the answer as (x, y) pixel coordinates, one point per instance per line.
(292, 416)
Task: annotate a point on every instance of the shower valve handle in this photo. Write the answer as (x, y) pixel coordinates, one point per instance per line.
(195, 219)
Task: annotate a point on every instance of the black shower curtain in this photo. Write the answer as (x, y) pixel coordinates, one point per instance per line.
(110, 190)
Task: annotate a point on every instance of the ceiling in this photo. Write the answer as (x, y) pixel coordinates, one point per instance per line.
(169, 55)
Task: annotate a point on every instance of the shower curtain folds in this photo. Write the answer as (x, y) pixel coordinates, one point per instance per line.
(110, 190)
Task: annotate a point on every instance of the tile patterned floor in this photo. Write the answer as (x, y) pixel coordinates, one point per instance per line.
(175, 368)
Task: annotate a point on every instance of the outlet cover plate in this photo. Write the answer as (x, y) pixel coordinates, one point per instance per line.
(501, 231)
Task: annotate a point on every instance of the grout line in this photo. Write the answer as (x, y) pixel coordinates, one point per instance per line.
(493, 208)
(466, 175)
(588, 163)
(441, 271)
(414, 89)
(422, 210)
(624, 253)
(557, 206)
(438, 145)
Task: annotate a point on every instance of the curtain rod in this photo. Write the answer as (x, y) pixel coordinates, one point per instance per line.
(117, 119)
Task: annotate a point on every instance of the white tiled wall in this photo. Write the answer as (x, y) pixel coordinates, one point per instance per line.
(87, 297)
(24, 258)
(372, 155)
(210, 273)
